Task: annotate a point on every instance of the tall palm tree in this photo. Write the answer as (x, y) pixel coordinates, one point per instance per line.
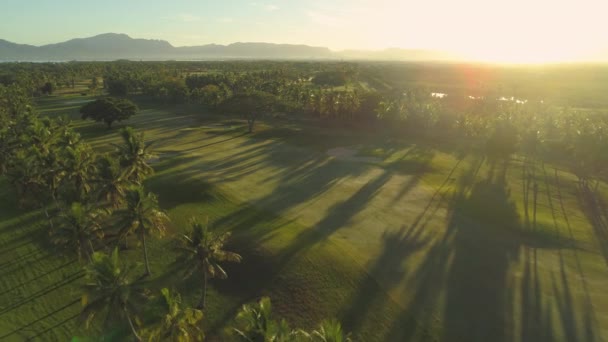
(112, 183)
(141, 216)
(79, 229)
(178, 324)
(202, 251)
(133, 154)
(80, 167)
(109, 292)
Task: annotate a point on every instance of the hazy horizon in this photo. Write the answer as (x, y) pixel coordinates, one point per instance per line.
(214, 43)
(518, 31)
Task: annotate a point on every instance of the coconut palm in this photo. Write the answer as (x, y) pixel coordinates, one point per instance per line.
(79, 229)
(254, 323)
(80, 167)
(178, 324)
(133, 154)
(112, 182)
(141, 216)
(109, 292)
(202, 251)
(35, 168)
(329, 331)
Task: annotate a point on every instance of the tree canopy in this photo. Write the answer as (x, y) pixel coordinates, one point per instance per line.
(109, 110)
(252, 105)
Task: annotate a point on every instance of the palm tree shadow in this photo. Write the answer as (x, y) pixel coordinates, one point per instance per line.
(470, 268)
(398, 246)
(595, 209)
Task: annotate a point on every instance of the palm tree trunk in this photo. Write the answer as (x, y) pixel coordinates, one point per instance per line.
(48, 217)
(132, 327)
(91, 251)
(201, 304)
(143, 241)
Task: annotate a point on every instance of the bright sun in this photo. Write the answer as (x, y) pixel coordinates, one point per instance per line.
(517, 31)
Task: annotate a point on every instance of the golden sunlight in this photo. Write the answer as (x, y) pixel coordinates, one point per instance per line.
(518, 31)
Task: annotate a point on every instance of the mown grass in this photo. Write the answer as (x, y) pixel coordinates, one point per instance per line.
(429, 243)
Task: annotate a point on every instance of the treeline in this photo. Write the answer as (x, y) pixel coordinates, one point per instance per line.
(399, 96)
(95, 204)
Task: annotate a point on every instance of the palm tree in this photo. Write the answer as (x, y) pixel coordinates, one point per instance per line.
(133, 154)
(109, 292)
(178, 324)
(80, 166)
(112, 183)
(254, 323)
(141, 216)
(79, 229)
(329, 331)
(202, 251)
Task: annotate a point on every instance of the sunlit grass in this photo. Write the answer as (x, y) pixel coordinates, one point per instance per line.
(408, 247)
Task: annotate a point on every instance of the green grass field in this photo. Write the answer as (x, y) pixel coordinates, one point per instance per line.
(422, 242)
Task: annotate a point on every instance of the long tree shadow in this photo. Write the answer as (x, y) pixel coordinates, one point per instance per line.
(24, 327)
(596, 211)
(42, 292)
(268, 267)
(398, 247)
(338, 216)
(42, 275)
(476, 283)
(462, 290)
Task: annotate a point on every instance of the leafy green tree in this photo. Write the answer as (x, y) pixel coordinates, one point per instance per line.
(178, 324)
(171, 90)
(202, 251)
(330, 78)
(48, 88)
(503, 140)
(94, 84)
(108, 292)
(79, 229)
(210, 95)
(109, 110)
(133, 155)
(141, 216)
(252, 105)
(117, 87)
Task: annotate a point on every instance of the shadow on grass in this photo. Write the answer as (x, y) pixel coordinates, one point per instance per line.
(469, 267)
(41, 319)
(43, 291)
(595, 209)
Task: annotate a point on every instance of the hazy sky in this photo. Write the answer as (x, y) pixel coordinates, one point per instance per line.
(486, 29)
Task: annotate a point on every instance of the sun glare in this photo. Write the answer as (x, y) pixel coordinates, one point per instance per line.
(519, 31)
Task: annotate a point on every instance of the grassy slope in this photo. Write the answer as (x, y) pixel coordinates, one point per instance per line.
(443, 235)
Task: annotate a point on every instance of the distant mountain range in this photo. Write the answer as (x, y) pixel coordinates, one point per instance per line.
(112, 46)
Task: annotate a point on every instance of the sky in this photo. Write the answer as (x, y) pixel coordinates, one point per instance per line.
(513, 30)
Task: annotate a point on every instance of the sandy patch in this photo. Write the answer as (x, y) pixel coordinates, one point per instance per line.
(350, 154)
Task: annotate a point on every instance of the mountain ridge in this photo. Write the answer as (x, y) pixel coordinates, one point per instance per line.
(111, 46)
